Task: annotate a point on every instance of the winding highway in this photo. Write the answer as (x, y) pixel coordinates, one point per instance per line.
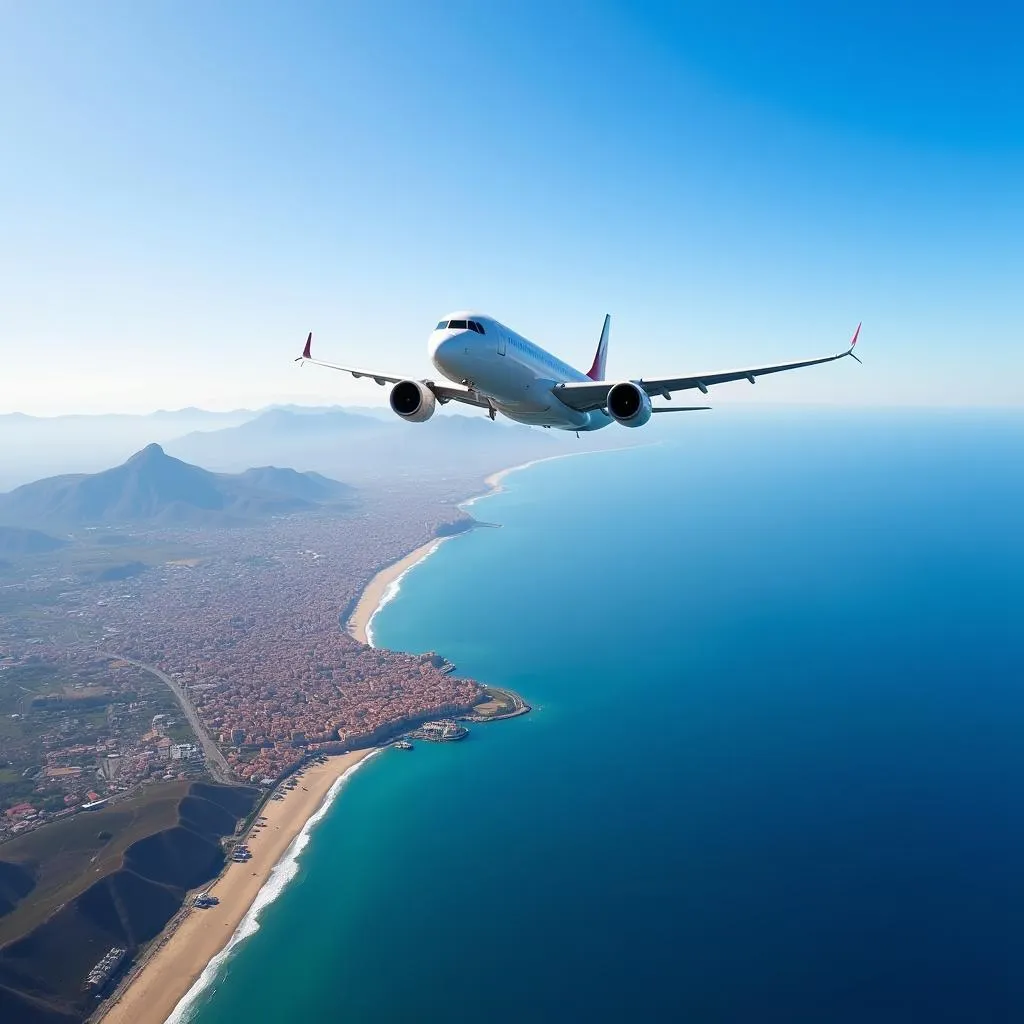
(219, 768)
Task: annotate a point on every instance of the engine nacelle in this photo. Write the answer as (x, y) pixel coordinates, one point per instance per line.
(629, 404)
(413, 401)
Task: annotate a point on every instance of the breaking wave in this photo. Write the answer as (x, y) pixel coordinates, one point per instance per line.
(283, 872)
(392, 589)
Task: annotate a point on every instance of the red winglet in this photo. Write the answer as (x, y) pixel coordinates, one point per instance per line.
(309, 342)
(852, 343)
(596, 371)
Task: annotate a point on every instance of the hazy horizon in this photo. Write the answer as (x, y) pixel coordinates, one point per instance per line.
(375, 409)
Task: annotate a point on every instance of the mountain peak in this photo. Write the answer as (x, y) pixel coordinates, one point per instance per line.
(150, 453)
(155, 486)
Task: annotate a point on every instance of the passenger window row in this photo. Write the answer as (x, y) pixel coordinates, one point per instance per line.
(541, 356)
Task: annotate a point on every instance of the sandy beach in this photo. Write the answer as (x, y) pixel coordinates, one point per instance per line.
(185, 950)
(495, 482)
(373, 594)
(183, 954)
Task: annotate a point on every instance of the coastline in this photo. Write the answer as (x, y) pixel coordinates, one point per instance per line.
(382, 588)
(186, 958)
(494, 481)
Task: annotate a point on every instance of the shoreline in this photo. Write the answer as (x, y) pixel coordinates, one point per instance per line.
(184, 960)
(494, 480)
(384, 586)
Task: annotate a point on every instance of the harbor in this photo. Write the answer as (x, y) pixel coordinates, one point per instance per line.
(446, 730)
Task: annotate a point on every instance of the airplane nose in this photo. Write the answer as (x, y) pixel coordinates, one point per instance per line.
(446, 347)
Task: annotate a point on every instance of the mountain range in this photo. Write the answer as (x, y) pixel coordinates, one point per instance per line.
(36, 446)
(364, 448)
(154, 487)
(358, 445)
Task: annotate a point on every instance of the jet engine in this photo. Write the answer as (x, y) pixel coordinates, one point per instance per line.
(629, 404)
(413, 401)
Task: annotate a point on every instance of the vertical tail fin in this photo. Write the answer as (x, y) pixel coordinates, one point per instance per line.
(596, 372)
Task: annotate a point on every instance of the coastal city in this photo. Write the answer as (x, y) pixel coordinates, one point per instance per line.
(245, 628)
(146, 670)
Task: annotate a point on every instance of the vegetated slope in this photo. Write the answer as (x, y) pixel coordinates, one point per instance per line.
(19, 1008)
(16, 882)
(135, 896)
(56, 858)
(154, 487)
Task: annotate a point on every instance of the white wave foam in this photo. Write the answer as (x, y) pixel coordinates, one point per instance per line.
(284, 871)
(392, 589)
(494, 481)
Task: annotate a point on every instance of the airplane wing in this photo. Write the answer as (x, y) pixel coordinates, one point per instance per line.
(586, 396)
(444, 392)
(447, 393)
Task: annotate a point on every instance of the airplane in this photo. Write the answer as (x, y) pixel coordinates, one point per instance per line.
(498, 370)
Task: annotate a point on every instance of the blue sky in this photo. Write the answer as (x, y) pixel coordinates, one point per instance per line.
(187, 188)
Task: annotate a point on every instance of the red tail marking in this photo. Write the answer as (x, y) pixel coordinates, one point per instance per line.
(309, 342)
(596, 372)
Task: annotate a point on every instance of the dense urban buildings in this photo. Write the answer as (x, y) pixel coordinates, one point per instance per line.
(246, 624)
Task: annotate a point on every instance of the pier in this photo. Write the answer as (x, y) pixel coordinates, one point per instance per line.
(500, 704)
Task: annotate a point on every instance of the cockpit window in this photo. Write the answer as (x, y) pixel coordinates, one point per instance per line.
(461, 325)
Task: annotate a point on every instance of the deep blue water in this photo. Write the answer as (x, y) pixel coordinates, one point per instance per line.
(776, 766)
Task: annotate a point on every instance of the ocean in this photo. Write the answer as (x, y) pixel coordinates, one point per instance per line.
(775, 767)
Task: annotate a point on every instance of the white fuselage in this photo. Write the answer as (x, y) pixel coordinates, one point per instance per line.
(516, 375)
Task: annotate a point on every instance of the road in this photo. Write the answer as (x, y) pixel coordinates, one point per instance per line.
(219, 768)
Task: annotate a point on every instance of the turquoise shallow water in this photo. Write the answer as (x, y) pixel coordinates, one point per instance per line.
(774, 772)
